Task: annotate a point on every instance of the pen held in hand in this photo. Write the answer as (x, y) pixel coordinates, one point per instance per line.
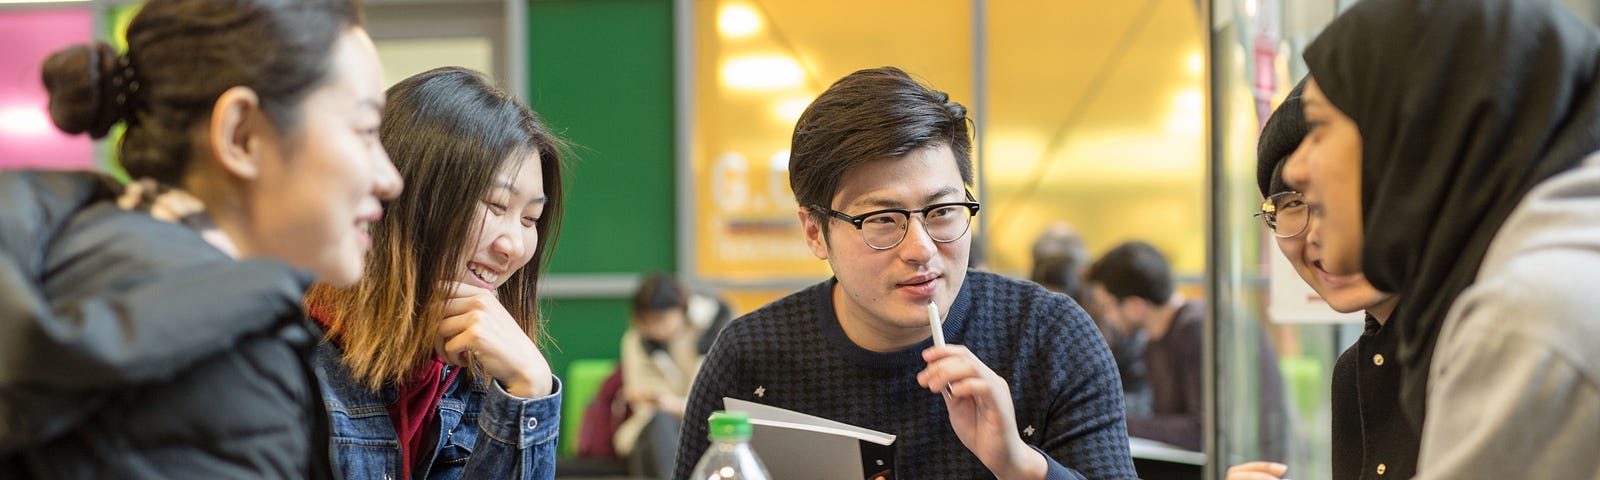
(938, 335)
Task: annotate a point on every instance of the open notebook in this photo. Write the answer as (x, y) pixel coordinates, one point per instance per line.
(796, 446)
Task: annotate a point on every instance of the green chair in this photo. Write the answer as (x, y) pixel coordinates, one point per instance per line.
(1307, 382)
(581, 382)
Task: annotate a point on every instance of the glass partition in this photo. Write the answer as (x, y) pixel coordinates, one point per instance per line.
(1095, 117)
(1255, 59)
(1088, 113)
(756, 65)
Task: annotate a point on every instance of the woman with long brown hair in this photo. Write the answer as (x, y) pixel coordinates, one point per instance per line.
(433, 358)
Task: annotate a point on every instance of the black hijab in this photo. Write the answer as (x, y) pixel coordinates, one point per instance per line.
(1463, 106)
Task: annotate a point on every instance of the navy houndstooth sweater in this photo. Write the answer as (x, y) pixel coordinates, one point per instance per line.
(793, 354)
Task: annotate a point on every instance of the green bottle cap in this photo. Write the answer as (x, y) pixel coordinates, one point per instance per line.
(730, 425)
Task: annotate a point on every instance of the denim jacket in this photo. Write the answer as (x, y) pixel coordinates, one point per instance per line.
(483, 432)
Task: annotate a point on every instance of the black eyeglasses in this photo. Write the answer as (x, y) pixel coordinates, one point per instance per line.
(1285, 214)
(885, 229)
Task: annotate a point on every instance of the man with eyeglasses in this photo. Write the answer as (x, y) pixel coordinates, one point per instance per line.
(1025, 388)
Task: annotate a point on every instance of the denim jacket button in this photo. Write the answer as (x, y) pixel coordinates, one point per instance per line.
(533, 423)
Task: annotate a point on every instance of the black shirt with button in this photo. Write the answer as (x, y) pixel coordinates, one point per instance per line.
(1372, 438)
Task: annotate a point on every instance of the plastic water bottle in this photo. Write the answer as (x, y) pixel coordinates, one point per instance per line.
(729, 457)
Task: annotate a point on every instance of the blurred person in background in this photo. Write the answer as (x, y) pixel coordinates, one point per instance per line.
(1133, 285)
(1059, 261)
(659, 361)
(1059, 258)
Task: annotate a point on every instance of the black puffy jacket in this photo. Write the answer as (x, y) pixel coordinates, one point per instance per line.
(131, 348)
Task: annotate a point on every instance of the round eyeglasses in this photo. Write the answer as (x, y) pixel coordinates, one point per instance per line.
(1285, 214)
(885, 229)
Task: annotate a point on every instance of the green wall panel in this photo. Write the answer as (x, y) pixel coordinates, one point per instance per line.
(581, 329)
(584, 329)
(601, 72)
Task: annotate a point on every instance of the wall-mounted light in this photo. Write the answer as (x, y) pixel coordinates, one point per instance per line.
(788, 110)
(762, 73)
(738, 20)
(1188, 112)
(24, 121)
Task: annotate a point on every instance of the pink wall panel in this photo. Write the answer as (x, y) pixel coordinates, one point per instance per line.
(27, 137)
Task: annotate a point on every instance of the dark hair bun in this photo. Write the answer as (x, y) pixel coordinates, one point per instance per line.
(80, 81)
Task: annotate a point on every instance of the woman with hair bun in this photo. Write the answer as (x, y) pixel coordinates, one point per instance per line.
(154, 330)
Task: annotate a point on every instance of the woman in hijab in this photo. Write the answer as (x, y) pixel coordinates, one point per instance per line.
(1430, 122)
(1369, 429)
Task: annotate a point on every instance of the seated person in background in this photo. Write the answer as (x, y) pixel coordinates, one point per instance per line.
(659, 359)
(708, 313)
(1059, 259)
(1026, 388)
(1132, 285)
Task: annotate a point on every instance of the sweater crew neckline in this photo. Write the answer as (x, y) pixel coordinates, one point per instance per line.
(955, 327)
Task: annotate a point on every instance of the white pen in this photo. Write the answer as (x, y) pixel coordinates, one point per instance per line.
(938, 335)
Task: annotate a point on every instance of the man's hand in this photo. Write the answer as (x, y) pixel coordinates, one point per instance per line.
(981, 412)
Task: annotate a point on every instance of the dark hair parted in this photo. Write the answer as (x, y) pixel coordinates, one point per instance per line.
(182, 55)
(869, 115)
(450, 133)
(658, 293)
(1133, 269)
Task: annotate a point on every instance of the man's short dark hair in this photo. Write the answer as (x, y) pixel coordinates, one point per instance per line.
(1133, 269)
(869, 115)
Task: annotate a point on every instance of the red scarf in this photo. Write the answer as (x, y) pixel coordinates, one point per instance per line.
(417, 405)
(417, 408)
